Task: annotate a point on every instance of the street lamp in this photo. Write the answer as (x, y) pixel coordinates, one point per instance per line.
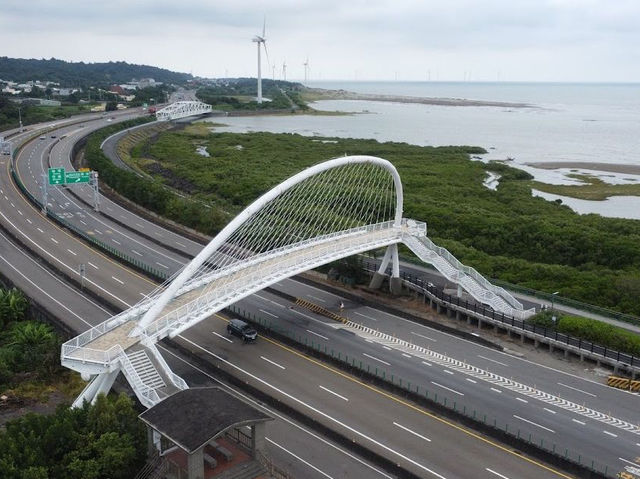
(553, 296)
(20, 117)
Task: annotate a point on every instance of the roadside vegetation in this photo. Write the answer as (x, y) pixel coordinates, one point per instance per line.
(604, 334)
(103, 441)
(506, 234)
(10, 117)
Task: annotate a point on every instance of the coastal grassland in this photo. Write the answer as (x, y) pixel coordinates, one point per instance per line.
(591, 188)
(505, 234)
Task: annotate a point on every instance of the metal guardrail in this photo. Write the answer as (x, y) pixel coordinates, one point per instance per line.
(506, 432)
(478, 309)
(62, 222)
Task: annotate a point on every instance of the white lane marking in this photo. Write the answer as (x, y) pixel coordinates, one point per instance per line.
(54, 240)
(496, 390)
(316, 298)
(364, 316)
(448, 389)
(637, 443)
(140, 226)
(29, 221)
(387, 348)
(522, 400)
(269, 300)
(426, 363)
(471, 380)
(405, 428)
(92, 265)
(496, 473)
(121, 282)
(115, 241)
(74, 254)
(448, 372)
(162, 265)
(180, 244)
(52, 298)
(579, 422)
(21, 213)
(267, 312)
(316, 334)
(425, 337)
(333, 392)
(97, 231)
(535, 424)
(317, 411)
(610, 434)
(576, 389)
(407, 355)
(632, 463)
(376, 359)
(135, 252)
(40, 229)
(492, 360)
(549, 410)
(222, 337)
(272, 362)
(13, 205)
(83, 222)
(306, 463)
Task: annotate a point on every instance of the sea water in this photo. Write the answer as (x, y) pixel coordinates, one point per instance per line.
(588, 123)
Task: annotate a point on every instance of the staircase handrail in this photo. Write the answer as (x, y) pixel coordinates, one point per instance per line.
(472, 272)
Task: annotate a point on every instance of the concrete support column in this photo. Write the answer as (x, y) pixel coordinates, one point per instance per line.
(459, 292)
(378, 277)
(151, 447)
(395, 286)
(536, 343)
(566, 353)
(438, 308)
(479, 323)
(107, 382)
(258, 432)
(195, 465)
(458, 315)
(468, 319)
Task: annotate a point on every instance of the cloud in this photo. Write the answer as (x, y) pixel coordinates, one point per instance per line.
(525, 39)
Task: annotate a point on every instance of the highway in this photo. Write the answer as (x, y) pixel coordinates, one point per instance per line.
(37, 231)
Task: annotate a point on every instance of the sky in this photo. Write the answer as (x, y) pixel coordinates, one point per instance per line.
(405, 40)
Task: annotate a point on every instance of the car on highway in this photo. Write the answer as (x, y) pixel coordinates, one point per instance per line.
(43, 137)
(241, 329)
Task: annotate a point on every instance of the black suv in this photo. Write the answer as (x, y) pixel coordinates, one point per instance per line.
(242, 330)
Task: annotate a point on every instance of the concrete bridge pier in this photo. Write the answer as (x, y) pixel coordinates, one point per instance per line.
(395, 283)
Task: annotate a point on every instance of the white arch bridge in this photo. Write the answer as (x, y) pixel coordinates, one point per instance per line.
(330, 211)
(182, 109)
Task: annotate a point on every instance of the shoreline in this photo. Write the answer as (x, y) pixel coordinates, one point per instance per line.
(583, 165)
(318, 94)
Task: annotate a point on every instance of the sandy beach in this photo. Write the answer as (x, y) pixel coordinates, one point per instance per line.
(322, 94)
(611, 167)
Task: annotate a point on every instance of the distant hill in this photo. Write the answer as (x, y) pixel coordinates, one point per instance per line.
(71, 74)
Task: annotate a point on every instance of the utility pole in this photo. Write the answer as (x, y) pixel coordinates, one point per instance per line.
(45, 180)
(20, 117)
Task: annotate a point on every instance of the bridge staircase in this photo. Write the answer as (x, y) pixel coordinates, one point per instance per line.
(468, 278)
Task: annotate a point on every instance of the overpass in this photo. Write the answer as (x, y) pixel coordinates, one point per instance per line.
(327, 212)
(182, 109)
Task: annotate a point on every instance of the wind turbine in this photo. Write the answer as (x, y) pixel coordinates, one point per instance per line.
(261, 40)
(284, 71)
(306, 70)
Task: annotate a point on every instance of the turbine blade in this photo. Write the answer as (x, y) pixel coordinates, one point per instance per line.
(264, 43)
(264, 25)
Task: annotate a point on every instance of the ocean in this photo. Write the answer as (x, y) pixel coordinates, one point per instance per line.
(586, 123)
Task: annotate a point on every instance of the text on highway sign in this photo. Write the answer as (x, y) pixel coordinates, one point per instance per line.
(56, 176)
(78, 177)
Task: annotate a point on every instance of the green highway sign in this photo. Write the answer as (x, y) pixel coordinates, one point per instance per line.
(56, 176)
(77, 177)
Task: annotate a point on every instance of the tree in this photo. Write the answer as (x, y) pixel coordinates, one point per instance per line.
(111, 106)
(34, 345)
